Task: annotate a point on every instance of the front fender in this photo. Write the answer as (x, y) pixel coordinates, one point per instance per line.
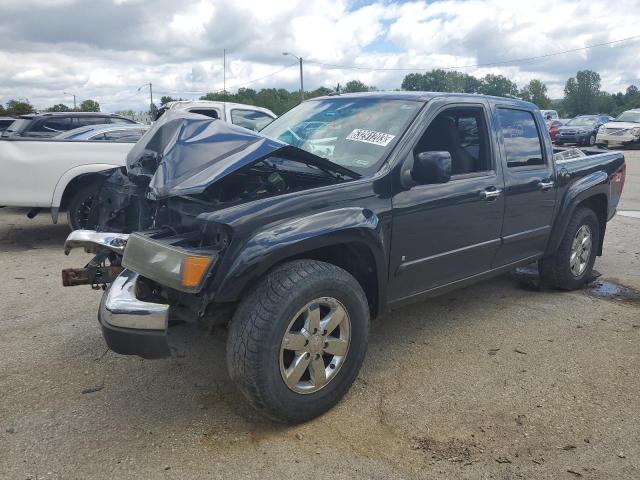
(293, 238)
(593, 184)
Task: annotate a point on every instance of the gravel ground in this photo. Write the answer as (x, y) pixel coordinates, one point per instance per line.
(493, 381)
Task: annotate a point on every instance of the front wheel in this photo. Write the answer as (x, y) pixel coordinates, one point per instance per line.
(592, 140)
(296, 343)
(79, 208)
(570, 267)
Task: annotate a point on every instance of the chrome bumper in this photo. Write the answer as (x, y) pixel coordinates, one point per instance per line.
(131, 326)
(93, 241)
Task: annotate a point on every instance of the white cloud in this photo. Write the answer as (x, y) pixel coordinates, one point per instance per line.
(106, 49)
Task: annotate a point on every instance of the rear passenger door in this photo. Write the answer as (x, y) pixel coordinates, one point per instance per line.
(530, 193)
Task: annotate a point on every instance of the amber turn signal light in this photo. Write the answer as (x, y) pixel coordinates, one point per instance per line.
(194, 270)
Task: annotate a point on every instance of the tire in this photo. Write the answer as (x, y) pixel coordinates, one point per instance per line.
(592, 140)
(559, 143)
(256, 354)
(558, 269)
(79, 208)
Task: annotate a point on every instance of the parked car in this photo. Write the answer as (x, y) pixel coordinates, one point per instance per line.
(554, 126)
(624, 130)
(5, 122)
(247, 116)
(549, 113)
(580, 130)
(106, 133)
(52, 124)
(60, 173)
(301, 251)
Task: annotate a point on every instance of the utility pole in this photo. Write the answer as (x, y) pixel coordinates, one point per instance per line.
(151, 105)
(301, 82)
(74, 99)
(224, 71)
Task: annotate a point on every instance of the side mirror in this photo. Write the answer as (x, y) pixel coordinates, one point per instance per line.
(431, 167)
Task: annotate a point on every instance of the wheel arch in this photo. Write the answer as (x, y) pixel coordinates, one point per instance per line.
(348, 238)
(591, 192)
(74, 179)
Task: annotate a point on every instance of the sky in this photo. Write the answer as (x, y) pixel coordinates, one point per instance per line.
(106, 49)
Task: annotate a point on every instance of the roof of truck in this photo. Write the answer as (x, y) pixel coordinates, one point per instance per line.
(425, 96)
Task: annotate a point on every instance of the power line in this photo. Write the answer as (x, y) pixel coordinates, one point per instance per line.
(267, 76)
(477, 65)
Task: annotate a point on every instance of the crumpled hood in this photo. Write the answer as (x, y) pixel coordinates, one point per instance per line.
(184, 153)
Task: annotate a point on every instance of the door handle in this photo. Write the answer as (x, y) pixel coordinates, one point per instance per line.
(490, 193)
(546, 184)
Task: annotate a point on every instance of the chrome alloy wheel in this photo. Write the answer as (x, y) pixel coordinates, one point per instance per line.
(581, 250)
(315, 345)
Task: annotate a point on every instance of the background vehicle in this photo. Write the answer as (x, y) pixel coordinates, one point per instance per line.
(54, 123)
(247, 116)
(106, 133)
(580, 130)
(415, 194)
(624, 130)
(5, 122)
(554, 126)
(552, 113)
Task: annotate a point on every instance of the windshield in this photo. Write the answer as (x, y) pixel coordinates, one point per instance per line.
(17, 126)
(633, 117)
(582, 122)
(355, 133)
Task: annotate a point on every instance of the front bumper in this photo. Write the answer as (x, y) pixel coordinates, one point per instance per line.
(575, 138)
(616, 139)
(131, 326)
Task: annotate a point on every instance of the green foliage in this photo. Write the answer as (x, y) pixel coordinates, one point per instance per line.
(355, 86)
(441, 81)
(536, 92)
(60, 107)
(89, 106)
(278, 100)
(18, 107)
(582, 92)
(166, 99)
(498, 85)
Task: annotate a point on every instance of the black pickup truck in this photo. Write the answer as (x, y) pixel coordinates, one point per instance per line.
(339, 210)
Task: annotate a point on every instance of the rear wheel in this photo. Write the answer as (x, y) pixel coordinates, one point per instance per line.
(297, 342)
(79, 208)
(571, 266)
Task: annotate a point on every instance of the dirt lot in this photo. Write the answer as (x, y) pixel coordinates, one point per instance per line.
(494, 381)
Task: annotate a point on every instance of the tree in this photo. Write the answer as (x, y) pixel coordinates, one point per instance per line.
(19, 107)
(536, 92)
(498, 85)
(166, 99)
(89, 106)
(581, 92)
(355, 86)
(60, 107)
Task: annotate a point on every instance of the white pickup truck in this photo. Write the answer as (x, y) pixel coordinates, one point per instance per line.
(64, 175)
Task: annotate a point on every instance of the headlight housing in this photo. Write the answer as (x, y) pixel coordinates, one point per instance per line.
(169, 265)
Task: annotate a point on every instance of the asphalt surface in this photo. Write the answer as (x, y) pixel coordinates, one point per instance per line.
(493, 381)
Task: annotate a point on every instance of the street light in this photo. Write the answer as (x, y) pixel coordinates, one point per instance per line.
(301, 84)
(74, 98)
(151, 105)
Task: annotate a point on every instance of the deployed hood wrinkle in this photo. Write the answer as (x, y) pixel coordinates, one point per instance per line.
(184, 153)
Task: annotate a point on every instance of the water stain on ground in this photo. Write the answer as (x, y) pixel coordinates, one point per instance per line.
(609, 289)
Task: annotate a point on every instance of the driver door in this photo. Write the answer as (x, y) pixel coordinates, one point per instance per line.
(443, 233)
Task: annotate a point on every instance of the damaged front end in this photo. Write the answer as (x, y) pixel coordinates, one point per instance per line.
(154, 251)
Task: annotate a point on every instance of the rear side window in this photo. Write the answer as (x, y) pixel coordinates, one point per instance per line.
(84, 121)
(120, 121)
(208, 112)
(521, 138)
(251, 119)
(54, 124)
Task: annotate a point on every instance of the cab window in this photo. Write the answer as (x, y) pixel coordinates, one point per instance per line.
(521, 137)
(461, 131)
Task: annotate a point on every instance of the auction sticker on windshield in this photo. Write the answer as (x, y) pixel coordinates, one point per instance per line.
(369, 136)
